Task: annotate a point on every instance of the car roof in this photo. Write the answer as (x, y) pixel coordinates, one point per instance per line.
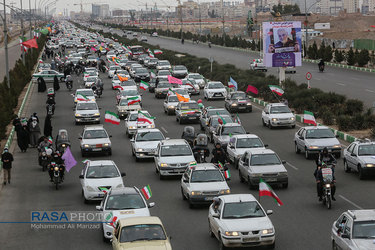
(92, 127)
(316, 127)
(205, 166)
(214, 82)
(170, 142)
(236, 92)
(232, 198)
(136, 112)
(362, 215)
(100, 162)
(277, 105)
(86, 102)
(83, 90)
(262, 151)
(232, 124)
(245, 136)
(142, 130)
(139, 220)
(365, 141)
(191, 101)
(124, 190)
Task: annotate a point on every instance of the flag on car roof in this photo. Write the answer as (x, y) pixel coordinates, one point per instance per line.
(227, 174)
(133, 99)
(252, 89)
(266, 190)
(111, 118)
(69, 160)
(144, 85)
(82, 97)
(276, 89)
(153, 75)
(171, 92)
(308, 118)
(146, 191)
(157, 51)
(221, 120)
(145, 118)
(118, 87)
(121, 78)
(232, 83)
(174, 80)
(181, 98)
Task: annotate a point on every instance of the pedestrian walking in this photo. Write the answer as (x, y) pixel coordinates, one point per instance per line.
(41, 85)
(56, 85)
(48, 126)
(34, 129)
(23, 139)
(17, 123)
(6, 159)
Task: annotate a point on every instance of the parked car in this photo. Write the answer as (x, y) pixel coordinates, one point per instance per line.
(359, 157)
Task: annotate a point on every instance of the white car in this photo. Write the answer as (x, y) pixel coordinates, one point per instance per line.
(359, 157)
(110, 55)
(239, 144)
(128, 92)
(262, 163)
(123, 109)
(116, 81)
(238, 220)
(354, 230)
(223, 133)
(95, 139)
(198, 78)
(191, 86)
(173, 157)
(132, 124)
(145, 143)
(87, 112)
(278, 115)
(122, 203)
(258, 65)
(84, 95)
(201, 183)
(163, 74)
(163, 64)
(170, 103)
(214, 90)
(112, 69)
(98, 177)
(90, 81)
(88, 74)
(154, 34)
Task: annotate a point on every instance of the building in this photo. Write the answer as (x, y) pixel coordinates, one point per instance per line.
(328, 7)
(100, 10)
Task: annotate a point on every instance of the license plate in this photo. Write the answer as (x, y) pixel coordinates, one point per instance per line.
(99, 145)
(271, 179)
(192, 118)
(100, 195)
(250, 239)
(217, 94)
(96, 149)
(208, 198)
(242, 107)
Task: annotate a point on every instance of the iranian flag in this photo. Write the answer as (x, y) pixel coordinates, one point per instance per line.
(308, 118)
(23, 39)
(144, 118)
(227, 174)
(82, 97)
(50, 140)
(118, 87)
(171, 92)
(276, 89)
(85, 161)
(146, 191)
(111, 118)
(221, 120)
(134, 99)
(237, 119)
(144, 85)
(221, 166)
(153, 75)
(157, 51)
(266, 190)
(104, 189)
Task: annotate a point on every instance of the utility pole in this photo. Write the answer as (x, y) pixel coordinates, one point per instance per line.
(6, 46)
(29, 16)
(34, 13)
(306, 44)
(22, 35)
(222, 10)
(200, 19)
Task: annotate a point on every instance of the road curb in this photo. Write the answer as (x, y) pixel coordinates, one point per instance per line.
(299, 118)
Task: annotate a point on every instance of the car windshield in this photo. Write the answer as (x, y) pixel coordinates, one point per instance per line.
(149, 136)
(206, 176)
(163, 73)
(123, 60)
(164, 85)
(164, 63)
(264, 159)
(319, 133)
(128, 83)
(85, 93)
(189, 106)
(145, 232)
(238, 96)
(176, 150)
(188, 82)
(91, 79)
(86, 106)
(95, 134)
(366, 149)
(217, 112)
(102, 171)
(141, 70)
(196, 76)
(172, 98)
(134, 117)
(91, 57)
(180, 68)
(233, 130)
(279, 110)
(181, 91)
(215, 120)
(91, 73)
(124, 201)
(216, 85)
(153, 60)
(114, 67)
(364, 230)
(130, 92)
(249, 143)
(240, 210)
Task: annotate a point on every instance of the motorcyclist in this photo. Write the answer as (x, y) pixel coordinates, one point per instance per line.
(325, 158)
(321, 65)
(43, 145)
(69, 79)
(51, 101)
(100, 84)
(56, 158)
(218, 154)
(200, 143)
(200, 104)
(209, 44)
(189, 135)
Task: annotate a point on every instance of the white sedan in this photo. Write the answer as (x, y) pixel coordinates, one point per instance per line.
(112, 69)
(98, 177)
(145, 143)
(132, 123)
(214, 90)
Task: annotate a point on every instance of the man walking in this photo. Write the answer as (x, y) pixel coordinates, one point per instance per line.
(6, 159)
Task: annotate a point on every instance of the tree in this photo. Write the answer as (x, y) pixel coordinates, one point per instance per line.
(356, 56)
(339, 57)
(322, 51)
(350, 60)
(328, 54)
(312, 51)
(363, 58)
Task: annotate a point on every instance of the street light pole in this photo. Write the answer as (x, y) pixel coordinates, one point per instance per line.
(30, 18)
(22, 34)
(6, 47)
(222, 10)
(305, 52)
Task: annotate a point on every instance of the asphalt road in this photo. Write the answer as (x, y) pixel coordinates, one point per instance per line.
(302, 223)
(354, 84)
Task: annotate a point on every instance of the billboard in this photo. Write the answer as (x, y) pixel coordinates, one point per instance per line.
(282, 44)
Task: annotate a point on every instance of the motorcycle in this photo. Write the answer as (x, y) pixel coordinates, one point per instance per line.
(69, 82)
(98, 92)
(321, 68)
(62, 141)
(327, 186)
(50, 109)
(200, 156)
(209, 44)
(44, 161)
(56, 174)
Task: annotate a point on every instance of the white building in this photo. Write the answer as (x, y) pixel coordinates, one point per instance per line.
(328, 7)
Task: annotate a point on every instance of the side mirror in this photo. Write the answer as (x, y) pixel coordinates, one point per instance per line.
(265, 145)
(81, 176)
(301, 137)
(80, 138)
(152, 204)
(185, 180)
(247, 132)
(99, 208)
(269, 212)
(337, 136)
(283, 162)
(110, 136)
(267, 113)
(123, 174)
(165, 101)
(345, 236)
(354, 155)
(231, 146)
(216, 215)
(132, 140)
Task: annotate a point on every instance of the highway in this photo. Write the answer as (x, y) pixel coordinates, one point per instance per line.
(302, 223)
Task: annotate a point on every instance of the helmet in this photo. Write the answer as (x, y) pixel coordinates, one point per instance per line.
(199, 101)
(325, 150)
(49, 151)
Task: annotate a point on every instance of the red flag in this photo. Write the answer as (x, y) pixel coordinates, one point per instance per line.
(252, 89)
(30, 43)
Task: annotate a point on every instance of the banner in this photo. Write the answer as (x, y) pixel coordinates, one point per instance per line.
(282, 44)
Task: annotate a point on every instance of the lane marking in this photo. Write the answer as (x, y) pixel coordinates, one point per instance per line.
(355, 78)
(369, 90)
(341, 84)
(290, 165)
(162, 128)
(349, 201)
(318, 79)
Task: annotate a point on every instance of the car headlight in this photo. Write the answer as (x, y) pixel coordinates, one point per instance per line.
(337, 146)
(163, 165)
(292, 118)
(225, 191)
(313, 147)
(196, 193)
(231, 233)
(248, 104)
(274, 119)
(234, 104)
(78, 115)
(86, 145)
(56, 168)
(369, 165)
(192, 163)
(63, 145)
(132, 127)
(107, 144)
(97, 114)
(267, 231)
(89, 188)
(139, 149)
(171, 107)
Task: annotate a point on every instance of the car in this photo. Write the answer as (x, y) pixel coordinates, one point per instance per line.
(239, 144)
(359, 157)
(313, 139)
(290, 70)
(238, 220)
(112, 69)
(263, 164)
(173, 157)
(213, 122)
(214, 90)
(207, 112)
(69, 44)
(223, 133)
(180, 91)
(98, 177)
(135, 34)
(142, 58)
(238, 101)
(151, 63)
(141, 74)
(278, 115)
(179, 71)
(127, 93)
(84, 95)
(129, 64)
(191, 86)
(143, 39)
(90, 81)
(82, 52)
(130, 233)
(87, 112)
(163, 64)
(88, 74)
(170, 103)
(154, 34)
(201, 183)
(123, 108)
(110, 55)
(132, 124)
(48, 76)
(116, 83)
(95, 139)
(145, 143)
(133, 67)
(76, 56)
(129, 84)
(123, 62)
(44, 66)
(187, 112)
(161, 89)
(257, 65)
(92, 59)
(354, 230)
(126, 202)
(152, 83)
(198, 78)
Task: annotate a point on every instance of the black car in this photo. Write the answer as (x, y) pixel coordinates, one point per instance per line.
(141, 74)
(238, 101)
(152, 83)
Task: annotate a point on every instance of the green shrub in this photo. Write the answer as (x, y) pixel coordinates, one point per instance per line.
(353, 107)
(328, 118)
(344, 122)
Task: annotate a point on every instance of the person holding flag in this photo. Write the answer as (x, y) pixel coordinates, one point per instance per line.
(218, 155)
